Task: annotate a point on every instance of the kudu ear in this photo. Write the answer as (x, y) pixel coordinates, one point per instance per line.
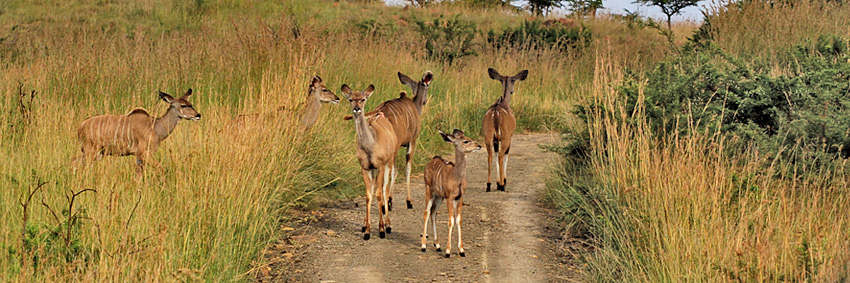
(445, 136)
(427, 78)
(494, 74)
(405, 80)
(315, 81)
(368, 91)
(346, 91)
(166, 97)
(457, 133)
(521, 75)
(187, 94)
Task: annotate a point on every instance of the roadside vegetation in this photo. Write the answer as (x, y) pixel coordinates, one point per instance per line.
(725, 161)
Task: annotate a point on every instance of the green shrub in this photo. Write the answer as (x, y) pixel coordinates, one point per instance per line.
(534, 35)
(448, 39)
(803, 112)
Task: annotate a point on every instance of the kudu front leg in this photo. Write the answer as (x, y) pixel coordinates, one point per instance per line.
(367, 180)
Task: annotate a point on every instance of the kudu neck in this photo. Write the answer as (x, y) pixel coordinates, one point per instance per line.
(365, 133)
(165, 125)
(421, 98)
(460, 163)
(311, 112)
(506, 96)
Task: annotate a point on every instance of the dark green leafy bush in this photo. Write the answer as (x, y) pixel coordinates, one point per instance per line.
(448, 39)
(802, 111)
(561, 35)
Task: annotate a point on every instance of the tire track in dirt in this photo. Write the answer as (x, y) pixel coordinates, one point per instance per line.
(507, 235)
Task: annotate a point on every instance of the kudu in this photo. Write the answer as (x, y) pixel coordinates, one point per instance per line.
(446, 180)
(498, 126)
(136, 133)
(404, 113)
(375, 147)
(317, 94)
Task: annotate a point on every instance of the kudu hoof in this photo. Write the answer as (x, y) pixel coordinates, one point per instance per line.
(462, 254)
(488, 187)
(448, 255)
(500, 187)
(423, 250)
(366, 237)
(389, 230)
(439, 250)
(409, 205)
(382, 235)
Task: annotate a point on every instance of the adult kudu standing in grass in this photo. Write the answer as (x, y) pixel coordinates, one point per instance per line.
(376, 145)
(404, 113)
(136, 133)
(499, 125)
(318, 94)
(446, 180)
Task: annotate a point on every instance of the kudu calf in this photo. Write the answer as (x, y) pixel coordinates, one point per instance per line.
(404, 114)
(136, 133)
(447, 180)
(375, 147)
(498, 126)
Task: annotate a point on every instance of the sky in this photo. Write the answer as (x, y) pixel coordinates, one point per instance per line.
(617, 6)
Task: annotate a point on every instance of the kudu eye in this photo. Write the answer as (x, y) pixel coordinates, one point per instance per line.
(465, 142)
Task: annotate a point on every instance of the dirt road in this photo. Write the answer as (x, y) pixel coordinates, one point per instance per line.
(507, 235)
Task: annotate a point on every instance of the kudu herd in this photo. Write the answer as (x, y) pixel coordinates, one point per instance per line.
(392, 125)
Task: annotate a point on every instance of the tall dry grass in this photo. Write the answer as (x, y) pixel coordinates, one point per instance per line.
(224, 186)
(682, 208)
(764, 29)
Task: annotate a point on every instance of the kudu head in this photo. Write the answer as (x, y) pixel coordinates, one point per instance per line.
(182, 105)
(460, 141)
(357, 98)
(320, 92)
(420, 88)
(507, 81)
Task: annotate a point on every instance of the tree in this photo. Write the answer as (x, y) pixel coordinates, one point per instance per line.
(538, 7)
(585, 7)
(420, 3)
(489, 3)
(669, 7)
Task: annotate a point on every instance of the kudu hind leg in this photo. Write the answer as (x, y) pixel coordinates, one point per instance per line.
(410, 149)
(489, 146)
(429, 201)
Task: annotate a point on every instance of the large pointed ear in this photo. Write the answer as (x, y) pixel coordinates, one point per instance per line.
(494, 74)
(405, 80)
(521, 75)
(315, 81)
(368, 91)
(427, 78)
(187, 94)
(457, 133)
(346, 91)
(166, 97)
(445, 136)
